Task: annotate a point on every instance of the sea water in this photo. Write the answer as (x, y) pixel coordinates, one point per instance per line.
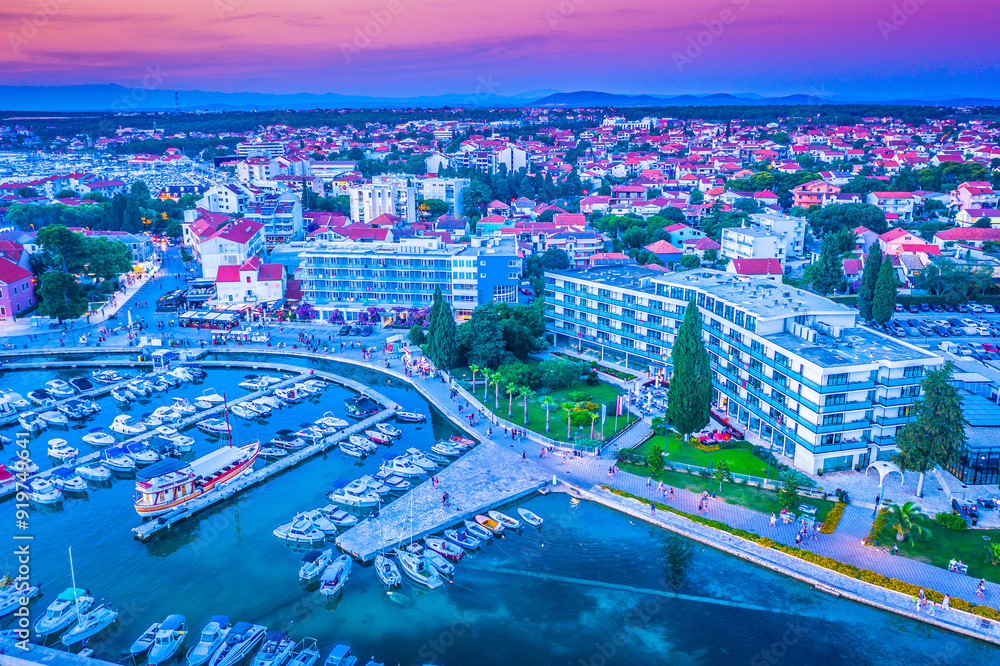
(592, 587)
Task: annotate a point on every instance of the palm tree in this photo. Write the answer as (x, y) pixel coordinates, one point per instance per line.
(511, 390)
(526, 393)
(487, 378)
(593, 420)
(569, 406)
(548, 402)
(496, 386)
(992, 553)
(904, 519)
(474, 369)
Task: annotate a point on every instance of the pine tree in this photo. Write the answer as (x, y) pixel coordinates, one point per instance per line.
(441, 335)
(827, 273)
(866, 291)
(689, 398)
(936, 436)
(884, 300)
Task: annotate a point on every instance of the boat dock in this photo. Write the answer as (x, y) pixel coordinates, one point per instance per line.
(23, 653)
(489, 476)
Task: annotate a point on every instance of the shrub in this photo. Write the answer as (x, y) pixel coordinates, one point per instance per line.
(659, 425)
(951, 521)
(654, 460)
(592, 379)
(833, 518)
(579, 396)
(842, 496)
(417, 336)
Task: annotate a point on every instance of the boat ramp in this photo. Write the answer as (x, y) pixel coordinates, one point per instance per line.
(489, 476)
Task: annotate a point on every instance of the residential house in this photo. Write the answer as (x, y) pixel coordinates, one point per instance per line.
(970, 236)
(974, 194)
(752, 243)
(253, 281)
(17, 290)
(756, 268)
(813, 193)
(899, 204)
(232, 245)
(969, 216)
(791, 228)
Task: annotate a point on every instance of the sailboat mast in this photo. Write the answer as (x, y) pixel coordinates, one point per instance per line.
(229, 430)
(72, 576)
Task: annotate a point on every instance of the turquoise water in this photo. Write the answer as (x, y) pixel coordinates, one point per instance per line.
(592, 587)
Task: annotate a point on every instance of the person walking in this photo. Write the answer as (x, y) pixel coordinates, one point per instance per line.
(774, 520)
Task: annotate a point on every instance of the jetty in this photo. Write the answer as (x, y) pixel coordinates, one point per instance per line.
(23, 653)
(487, 477)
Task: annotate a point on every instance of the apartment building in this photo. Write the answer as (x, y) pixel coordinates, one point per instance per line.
(351, 277)
(792, 228)
(789, 367)
(752, 243)
(281, 216)
(383, 196)
(448, 190)
(900, 204)
(260, 149)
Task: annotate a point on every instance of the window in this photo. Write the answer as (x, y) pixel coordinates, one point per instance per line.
(629, 298)
(910, 391)
(628, 342)
(833, 419)
(652, 349)
(603, 307)
(754, 383)
(654, 320)
(715, 324)
(835, 399)
(780, 359)
(713, 341)
(689, 295)
(628, 314)
(628, 328)
(837, 380)
(718, 307)
(751, 324)
(603, 321)
(701, 300)
(739, 317)
(654, 335)
(913, 371)
(779, 378)
(677, 293)
(755, 364)
(709, 304)
(831, 439)
(758, 346)
(604, 293)
(779, 398)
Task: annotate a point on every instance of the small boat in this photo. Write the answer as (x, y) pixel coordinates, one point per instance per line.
(202, 405)
(122, 395)
(145, 641)
(387, 571)
(315, 383)
(287, 439)
(72, 411)
(60, 388)
(11, 401)
(22, 465)
(89, 625)
(444, 547)
(8, 481)
(417, 457)
(274, 650)
(150, 420)
(403, 467)
(310, 433)
(332, 421)
(363, 443)
(252, 383)
(439, 563)
(304, 388)
(54, 417)
(42, 398)
(340, 655)
(31, 422)
(63, 611)
(289, 395)
(117, 459)
(410, 417)
(184, 406)
(212, 397)
(168, 640)
(319, 521)
(43, 491)
(335, 576)
(213, 426)
(378, 436)
(489, 523)
(299, 531)
(361, 407)
(196, 371)
(99, 437)
(305, 653)
(443, 449)
(314, 562)
(180, 374)
(462, 537)
(107, 376)
(183, 443)
(127, 425)
(417, 569)
(353, 494)
(477, 530)
(270, 401)
(352, 450)
(95, 472)
(67, 480)
(272, 453)
(212, 637)
(140, 388)
(530, 517)
(338, 516)
(261, 408)
(461, 443)
(390, 430)
(239, 642)
(81, 384)
(60, 450)
(371, 483)
(505, 520)
(142, 454)
(12, 598)
(165, 414)
(394, 483)
(244, 412)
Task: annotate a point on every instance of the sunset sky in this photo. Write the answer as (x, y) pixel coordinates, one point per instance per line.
(855, 48)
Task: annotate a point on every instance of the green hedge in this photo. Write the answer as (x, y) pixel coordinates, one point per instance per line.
(821, 560)
(951, 521)
(833, 518)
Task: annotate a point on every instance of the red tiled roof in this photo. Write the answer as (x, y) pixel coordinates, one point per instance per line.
(662, 247)
(969, 234)
(758, 266)
(229, 273)
(269, 272)
(11, 272)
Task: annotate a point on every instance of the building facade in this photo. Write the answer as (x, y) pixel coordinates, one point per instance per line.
(448, 190)
(789, 367)
(750, 243)
(792, 228)
(281, 216)
(371, 200)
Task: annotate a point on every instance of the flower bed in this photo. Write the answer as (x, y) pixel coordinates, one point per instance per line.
(833, 517)
(857, 573)
(594, 365)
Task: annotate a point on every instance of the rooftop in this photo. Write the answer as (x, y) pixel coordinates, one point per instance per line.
(857, 346)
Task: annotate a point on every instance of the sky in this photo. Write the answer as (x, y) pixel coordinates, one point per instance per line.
(878, 49)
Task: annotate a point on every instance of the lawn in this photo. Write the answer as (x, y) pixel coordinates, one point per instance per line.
(741, 461)
(944, 545)
(758, 499)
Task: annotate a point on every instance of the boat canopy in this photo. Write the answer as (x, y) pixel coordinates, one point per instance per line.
(114, 452)
(312, 556)
(172, 623)
(275, 635)
(240, 629)
(220, 620)
(161, 468)
(71, 593)
(340, 483)
(136, 447)
(339, 651)
(216, 460)
(100, 430)
(63, 472)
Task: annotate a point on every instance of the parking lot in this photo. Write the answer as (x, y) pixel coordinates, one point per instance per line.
(972, 329)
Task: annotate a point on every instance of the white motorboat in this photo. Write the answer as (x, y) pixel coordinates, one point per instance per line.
(127, 425)
(387, 571)
(22, 465)
(117, 459)
(213, 426)
(530, 517)
(443, 449)
(306, 653)
(328, 419)
(288, 394)
(159, 385)
(390, 430)
(417, 569)
(444, 547)
(42, 398)
(184, 443)
(403, 467)
(212, 397)
(310, 433)
(54, 418)
(196, 371)
(60, 388)
(341, 655)
(72, 410)
(335, 576)
(95, 472)
(244, 412)
(168, 640)
(107, 376)
(169, 380)
(270, 401)
(150, 420)
(13, 597)
(11, 402)
(272, 453)
(478, 531)
(352, 450)
(59, 449)
(183, 405)
(321, 522)
(8, 481)
(140, 388)
(122, 395)
(239, 643)
(316, 383)
(99, 437)
(90, 624)
(462, 537)
(304, 389)
(262, 409)
(410, 417)
(142, 454)
(394, 483)
(167, 431)
(166, 414)
(31, 422)
(145, 641)
(212, 637)
(274, 650)
(43, 491)
(67, 480)
(180, 374)
(338, 516)
(63, 611)
(287, 439)
(252, 383)
(417, 457)
(505, 520)
(81, 384)
(439, 563)
(202, 405)
(353, 495)
(363, 443)
(369, 482)
(314, 562)
(298, 531)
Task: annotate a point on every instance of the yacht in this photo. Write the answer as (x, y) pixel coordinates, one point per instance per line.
(363, 443)
(95, 472)
(168, 484)
(142, 454)
(332, 421)
(213, 426)
(63, 611)
(166, 414)
(262, 408)
(212, 397)
(11, 402)
(335, 576)
(60, 450)
(42, 398)
(169, 380)
(387, 571)
(122, 395)
(99, 437)
(287, 439)
(67, 480)
(321, 522)
(54, 418)
(183, 406)
(390, 430)
(22, 465)
(117, 459)
(81, 384)
(314, 562)
(244, 412)
(107, 376)
(59, 388)
(184, 443)
(252, 383)
(274, 650)
(369, 482)
(288, 394)
(394, 483)
(180, 374)
(270, 401)
(166, 431)
(127, 425)
(31, 422)
(43, 491)
(212, 637)
(239, 643)
(168, 640)
(354, 495)
(341, 655)
(417, 569)
(445, 449)
(299, 531)
(338, 516)
(73, 409)
(417, 457)
(196, 371)
(403, 467)
(306, 653)
(90, 624)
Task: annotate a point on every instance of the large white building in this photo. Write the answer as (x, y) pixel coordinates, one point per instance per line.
(281, 216)
(233, 245)
(227, 199)
(448, 190)
(792, 228)
(790, 368)
(752, 243)
(260, 149)
(392, 196)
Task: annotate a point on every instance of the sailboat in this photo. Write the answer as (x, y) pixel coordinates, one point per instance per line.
(90, 623)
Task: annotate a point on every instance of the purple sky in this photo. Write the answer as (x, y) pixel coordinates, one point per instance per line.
(858, 48)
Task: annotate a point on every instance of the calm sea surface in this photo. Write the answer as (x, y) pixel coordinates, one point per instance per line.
(591, 587)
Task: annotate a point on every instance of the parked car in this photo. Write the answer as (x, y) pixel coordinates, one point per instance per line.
(355, 331)
(899, 307)
(962, 307)
(526, 291)
(976, 347)
(937, 308)
(926, 331)
(976, 308)
(915, 309)
(948, 307)
(366, 330)
(989, 308)
(942, 331)
(989, 346)
(345, 329)
(924, 307)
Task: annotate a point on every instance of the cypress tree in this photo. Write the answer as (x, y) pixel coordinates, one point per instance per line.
(866, 291)
(884, 300)
(689, 398)
(441, 333)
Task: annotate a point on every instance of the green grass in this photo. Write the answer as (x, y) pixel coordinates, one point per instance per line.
(741, 461)
(944, 545)
(758, 499)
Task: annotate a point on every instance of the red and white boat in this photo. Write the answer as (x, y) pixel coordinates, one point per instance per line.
(8, 481)
(168, 484)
